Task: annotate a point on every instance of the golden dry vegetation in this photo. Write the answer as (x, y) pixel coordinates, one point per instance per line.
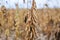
(29, 24)
(8, 24)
